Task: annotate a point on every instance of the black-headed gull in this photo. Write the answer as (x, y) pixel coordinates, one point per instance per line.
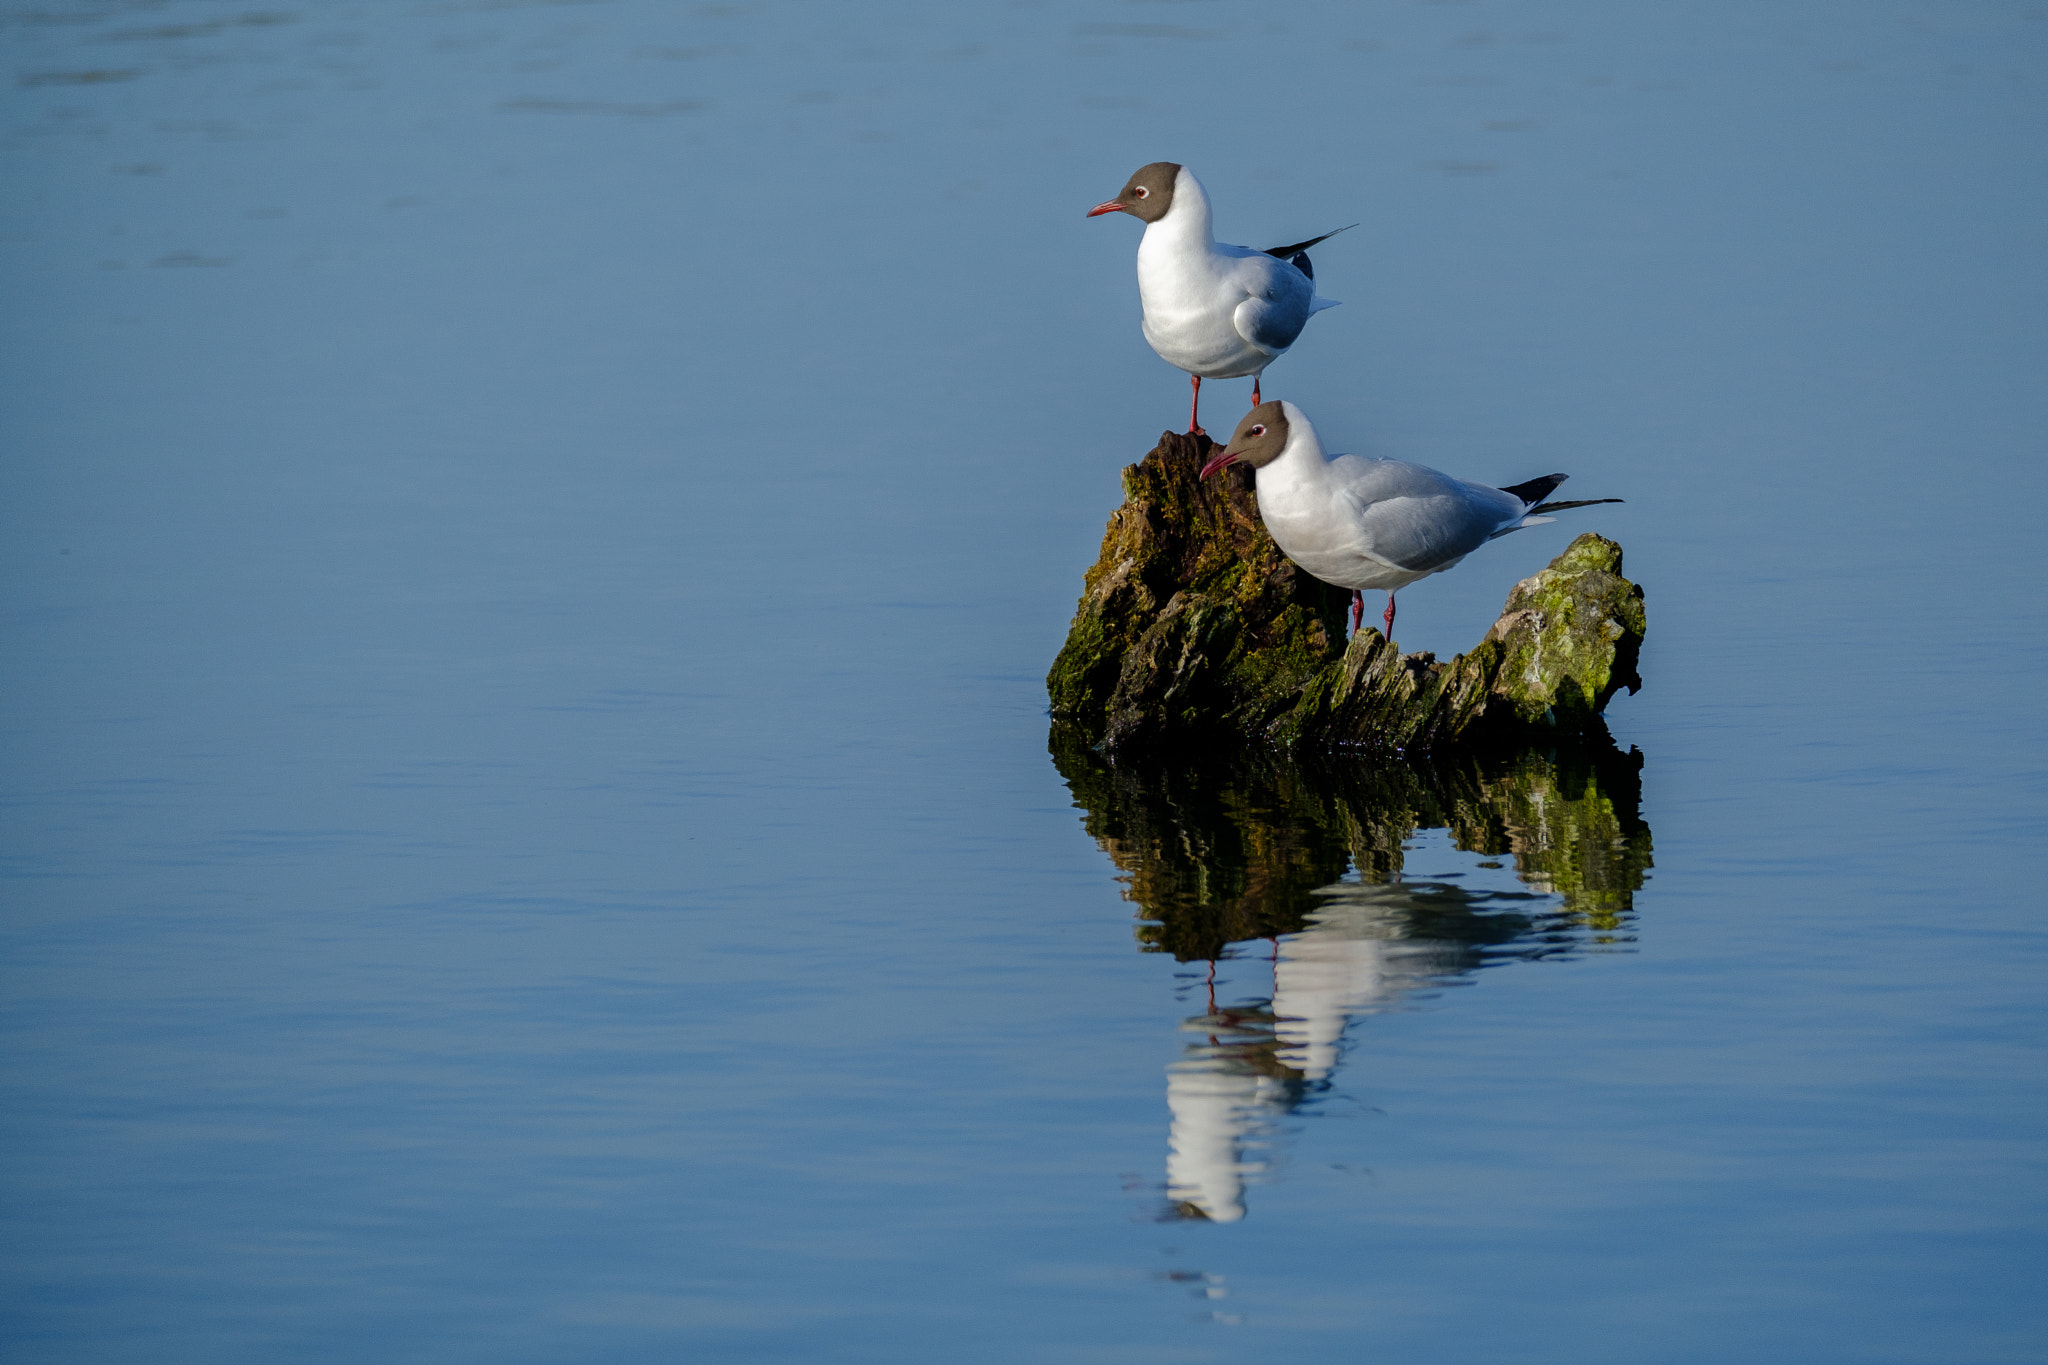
(1214, 310)
(1362, 522)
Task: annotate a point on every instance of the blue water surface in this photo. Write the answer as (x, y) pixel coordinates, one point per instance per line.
(530, 539)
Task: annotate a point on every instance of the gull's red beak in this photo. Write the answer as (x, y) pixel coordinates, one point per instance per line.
(1217, 462)
(1111, 207)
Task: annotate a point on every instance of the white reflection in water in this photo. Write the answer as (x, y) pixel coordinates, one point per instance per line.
(1351, 960)
(1257, 1062)
(1214, 1106)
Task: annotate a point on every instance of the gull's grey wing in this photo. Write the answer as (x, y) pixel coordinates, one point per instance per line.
(1281, 300)
(1417, 518)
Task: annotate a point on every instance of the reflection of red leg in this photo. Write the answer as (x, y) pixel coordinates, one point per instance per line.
(1255, 390)
(1390, 618)
(1195, 409)
(1357, 610)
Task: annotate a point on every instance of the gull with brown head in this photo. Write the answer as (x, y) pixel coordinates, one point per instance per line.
(1360, 522)
(1214, 310)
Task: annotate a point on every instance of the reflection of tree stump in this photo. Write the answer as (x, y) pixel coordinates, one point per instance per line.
(1192, 620)
(1239, 847)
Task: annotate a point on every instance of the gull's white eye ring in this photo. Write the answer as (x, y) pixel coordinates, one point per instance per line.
(1259, 430)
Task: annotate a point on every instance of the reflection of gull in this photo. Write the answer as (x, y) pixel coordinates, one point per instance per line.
(1216, 1100)
(1222, 1092)
(1257, 1064)
(1350, 960)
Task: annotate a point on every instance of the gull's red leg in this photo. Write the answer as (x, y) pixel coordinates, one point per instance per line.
(1195, 409)
(1390, 618)
(1357, 610)
(1255, 390)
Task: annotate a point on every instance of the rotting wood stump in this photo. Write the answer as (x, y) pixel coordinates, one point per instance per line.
(1193, 623)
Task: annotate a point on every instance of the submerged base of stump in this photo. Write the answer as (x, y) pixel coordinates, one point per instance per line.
(1192, 622)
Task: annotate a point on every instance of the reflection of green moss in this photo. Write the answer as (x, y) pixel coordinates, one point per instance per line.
(1192, 619)
(1214, 856)
(1236, 848)
(1571, 824)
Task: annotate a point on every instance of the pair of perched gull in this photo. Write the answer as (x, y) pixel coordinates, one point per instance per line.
(1223, 312)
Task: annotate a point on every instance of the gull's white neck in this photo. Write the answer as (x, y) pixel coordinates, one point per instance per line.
(1292, 482)
(1186, 226)
(1302, 457)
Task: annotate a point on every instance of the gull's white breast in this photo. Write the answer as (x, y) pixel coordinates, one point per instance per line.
(1191, 296)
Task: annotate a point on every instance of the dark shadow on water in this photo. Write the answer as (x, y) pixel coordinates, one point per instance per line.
(1301, 867)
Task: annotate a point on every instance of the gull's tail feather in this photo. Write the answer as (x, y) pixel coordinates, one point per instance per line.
(1288, 252)
(1560, 506)
(1533, 494)
(1297, 256)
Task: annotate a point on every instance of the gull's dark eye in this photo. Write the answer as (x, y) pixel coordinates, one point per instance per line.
(1142, 192)
(1259, 431)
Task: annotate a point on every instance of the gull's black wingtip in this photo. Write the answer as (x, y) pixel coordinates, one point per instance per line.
(1297, 254)
(1561, 506)
(1536, 490)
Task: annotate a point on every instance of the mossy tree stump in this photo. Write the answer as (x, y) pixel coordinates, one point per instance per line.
(1192, 621)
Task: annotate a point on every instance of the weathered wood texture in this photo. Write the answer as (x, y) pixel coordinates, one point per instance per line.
(1192, 621)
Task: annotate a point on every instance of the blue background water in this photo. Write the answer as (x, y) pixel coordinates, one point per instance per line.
(532, 536)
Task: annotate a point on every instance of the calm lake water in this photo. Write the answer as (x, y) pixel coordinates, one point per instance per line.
(533, 533)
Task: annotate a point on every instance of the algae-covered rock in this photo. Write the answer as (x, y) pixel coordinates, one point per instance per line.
(1192, 620)
(1246, 844)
